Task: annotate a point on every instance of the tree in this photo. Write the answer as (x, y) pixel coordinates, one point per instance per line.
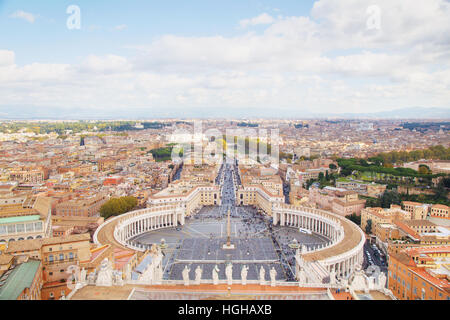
(446, 182)
(441, 191)
(355, 218)
(369, 226)
(390, 197)
(424, 169)
(321, 176)
(117, 206)
(332, 166)
(309, 183)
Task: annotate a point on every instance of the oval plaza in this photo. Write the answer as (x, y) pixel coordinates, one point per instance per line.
(236, 231)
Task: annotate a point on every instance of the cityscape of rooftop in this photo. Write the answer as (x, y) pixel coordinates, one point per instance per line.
(240, 150)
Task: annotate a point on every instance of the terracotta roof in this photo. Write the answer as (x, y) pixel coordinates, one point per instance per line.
(419, 223)
(24, 245)
(405, 228)
(70, 238)
(439, 206)
(351, 240)
(6, 258)
(404, 258)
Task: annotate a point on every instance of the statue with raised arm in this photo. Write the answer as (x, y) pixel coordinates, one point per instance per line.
(229, 273)
(215, 275)
(273, 277)
(185, 274)
(244, 273)
(198, 275)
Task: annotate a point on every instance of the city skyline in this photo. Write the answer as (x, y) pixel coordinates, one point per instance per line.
(246, 60)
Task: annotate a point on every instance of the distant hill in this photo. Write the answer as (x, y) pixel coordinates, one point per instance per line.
(404, 113)
(83, 113)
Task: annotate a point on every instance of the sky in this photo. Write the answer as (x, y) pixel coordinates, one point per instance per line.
(180, 58)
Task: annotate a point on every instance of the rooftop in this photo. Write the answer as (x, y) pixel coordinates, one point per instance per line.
(16, 280)
(20, 219)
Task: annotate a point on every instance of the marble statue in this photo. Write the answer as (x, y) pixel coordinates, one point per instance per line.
(333, 276)
(117, 278)
(83, 276)
(273, 277)
(198, 275)
(128, 272)
(244, 273)
(185, 274)
(382, 280)
(215, 275)
(91, 278)
(157, 257)
(105, 275)
(262, 276)
(301, 277)
(229, 273)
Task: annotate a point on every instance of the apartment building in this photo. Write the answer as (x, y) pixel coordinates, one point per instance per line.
(57, 255)
(21, 281)
(418, 211)
(81, 206)
(420, 273)
(362, 188)
(379, 216)
(29, 220)
(29, 174)
(190, 196)
(440, 211)
(338, 200)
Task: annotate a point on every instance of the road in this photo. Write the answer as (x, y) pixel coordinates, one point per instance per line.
(377, 260)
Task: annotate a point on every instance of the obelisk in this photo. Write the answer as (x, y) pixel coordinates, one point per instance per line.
(228, 245)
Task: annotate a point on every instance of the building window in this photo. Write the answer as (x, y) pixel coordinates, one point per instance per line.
(38, 226)
(12, 228)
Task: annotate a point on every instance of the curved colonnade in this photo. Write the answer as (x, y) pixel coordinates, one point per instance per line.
(134, 223)
(346, 247)
(341, 254)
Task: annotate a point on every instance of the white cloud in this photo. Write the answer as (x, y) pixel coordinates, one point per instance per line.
(263, 18)
(20, 14)
(121, 27)
(106, 64)
(326, 62)
(6, 58)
